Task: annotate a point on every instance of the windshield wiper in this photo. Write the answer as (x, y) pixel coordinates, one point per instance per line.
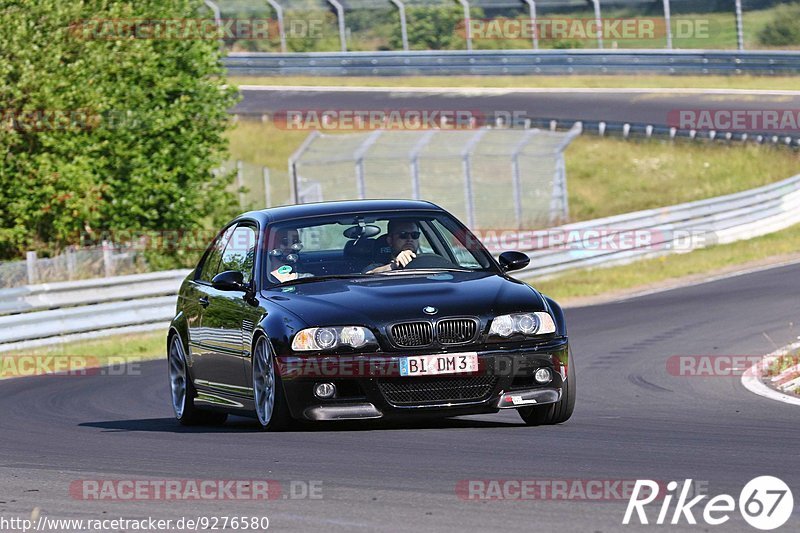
(426, 271)
(310, 279)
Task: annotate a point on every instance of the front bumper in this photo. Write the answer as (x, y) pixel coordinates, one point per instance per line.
(369, 385)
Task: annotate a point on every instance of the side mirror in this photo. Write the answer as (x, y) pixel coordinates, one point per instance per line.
(230, 280)
(513, 261)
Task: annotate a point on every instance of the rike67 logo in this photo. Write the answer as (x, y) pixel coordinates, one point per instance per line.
(765, 503)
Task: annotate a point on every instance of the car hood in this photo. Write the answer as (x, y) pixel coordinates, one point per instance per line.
(382, 299)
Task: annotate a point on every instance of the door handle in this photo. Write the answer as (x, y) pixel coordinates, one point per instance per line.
(203, 301)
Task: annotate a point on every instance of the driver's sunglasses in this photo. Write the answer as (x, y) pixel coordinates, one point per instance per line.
(406, 234)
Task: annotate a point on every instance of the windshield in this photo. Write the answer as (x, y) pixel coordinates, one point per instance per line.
(370, 244)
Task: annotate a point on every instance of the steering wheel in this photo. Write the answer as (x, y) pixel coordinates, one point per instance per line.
(430, 261)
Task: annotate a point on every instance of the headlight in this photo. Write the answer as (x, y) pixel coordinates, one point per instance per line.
(315, 339)
(523, 323)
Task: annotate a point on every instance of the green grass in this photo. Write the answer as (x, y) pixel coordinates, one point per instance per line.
(88, 353)
(651, 273)
(788, 83)
(613, 176)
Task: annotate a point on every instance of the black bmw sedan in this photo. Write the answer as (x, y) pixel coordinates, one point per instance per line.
(363, 310)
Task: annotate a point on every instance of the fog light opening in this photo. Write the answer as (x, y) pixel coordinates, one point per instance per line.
(324, 391)
(543, 376)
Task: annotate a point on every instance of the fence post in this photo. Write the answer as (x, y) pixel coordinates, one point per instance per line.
(414, 161)
(240, 182)
(281, 30)
(30, 262)
(599, 23)
(516, 179)
(739, 26)
(340, 16)
(403, 26)
(559, 203)
(467, 23)
(108, 259)
(294, 180)
(668, 23)
(71, 262)
(358, 155)
(267, 191)
(532, 10)
(466, 164)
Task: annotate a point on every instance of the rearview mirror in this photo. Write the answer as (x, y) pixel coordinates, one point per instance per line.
(513, 261)
(230, 280)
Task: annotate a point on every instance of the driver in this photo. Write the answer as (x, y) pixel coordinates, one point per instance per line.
(283, 257)
(403, 237)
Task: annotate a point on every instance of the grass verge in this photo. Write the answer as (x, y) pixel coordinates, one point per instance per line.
(787, 83)
(72, 357)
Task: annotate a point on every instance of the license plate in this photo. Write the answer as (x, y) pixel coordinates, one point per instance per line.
(432, 365)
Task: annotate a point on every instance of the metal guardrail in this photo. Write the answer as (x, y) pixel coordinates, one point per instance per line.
(492, 62)
(31, 298)
(640, 130)
(104, 304)
(48, 311)
(84, 318)
(667, 230)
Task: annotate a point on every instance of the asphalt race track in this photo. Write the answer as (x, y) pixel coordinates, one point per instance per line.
(633, 420)
(613, 105)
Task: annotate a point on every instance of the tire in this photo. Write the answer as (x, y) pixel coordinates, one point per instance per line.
(554, 413)
(272, 411)
(182, 391)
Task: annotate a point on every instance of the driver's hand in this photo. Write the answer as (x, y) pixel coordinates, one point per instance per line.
(404, 258)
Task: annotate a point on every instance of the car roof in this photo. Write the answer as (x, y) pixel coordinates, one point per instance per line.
(287, 212)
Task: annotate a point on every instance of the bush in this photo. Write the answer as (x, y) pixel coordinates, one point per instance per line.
(784, 29)
(432, 28)
(106, 134)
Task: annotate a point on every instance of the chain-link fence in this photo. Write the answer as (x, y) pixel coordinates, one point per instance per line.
(490, 178)
(352, 25)
(75, 263)
(257, 186)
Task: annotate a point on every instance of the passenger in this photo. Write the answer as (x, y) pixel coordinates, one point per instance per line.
(283, 257)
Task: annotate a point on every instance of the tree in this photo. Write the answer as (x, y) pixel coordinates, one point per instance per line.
(104, 130)
(432, 28)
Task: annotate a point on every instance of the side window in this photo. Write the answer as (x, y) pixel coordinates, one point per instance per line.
(240, 252)
(210, 266)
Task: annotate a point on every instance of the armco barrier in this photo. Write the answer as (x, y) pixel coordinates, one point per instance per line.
(717, 220)
(55, 322)
(46, 312)
(514, 62)
(90, 291)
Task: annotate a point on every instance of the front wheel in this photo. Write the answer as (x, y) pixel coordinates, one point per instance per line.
(270, 401)
(554, 413)
(182, 390)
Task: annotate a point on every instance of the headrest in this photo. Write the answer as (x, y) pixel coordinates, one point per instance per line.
(360, 248)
